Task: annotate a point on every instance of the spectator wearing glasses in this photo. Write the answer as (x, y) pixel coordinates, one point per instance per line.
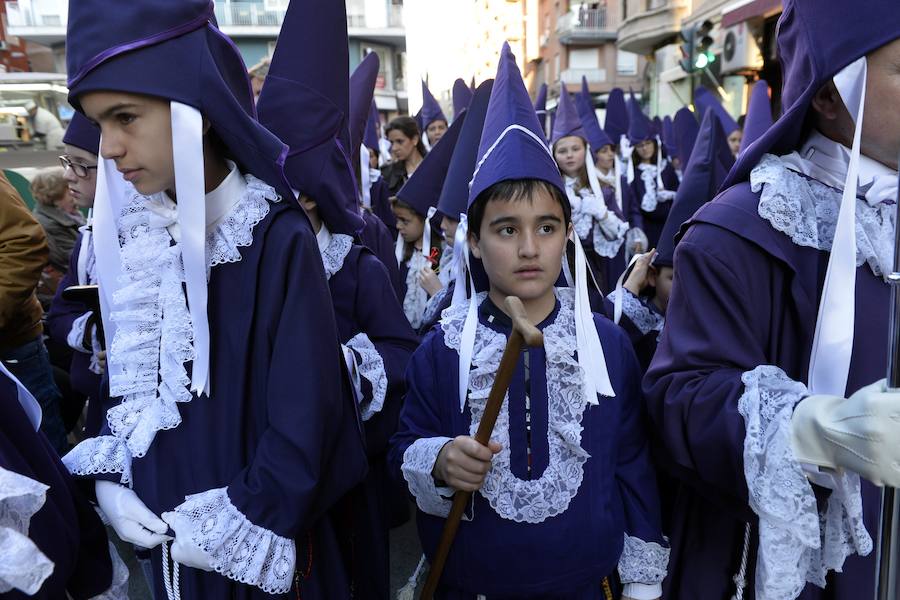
(58, 214)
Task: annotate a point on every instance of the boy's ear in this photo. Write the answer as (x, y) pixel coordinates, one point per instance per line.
(473, 245)
(569, 229)
(652, 274)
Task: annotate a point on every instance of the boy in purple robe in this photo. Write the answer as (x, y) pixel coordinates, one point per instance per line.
(233, 430)
(766, 390)
(565, 503)
(376, 338)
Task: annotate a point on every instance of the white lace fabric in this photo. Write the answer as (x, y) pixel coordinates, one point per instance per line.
(652, 196)
(797, 543)
(643, 562)
(640, 315)
(416, 298)
(23, 566)
(371, 367)
(334, 255)
(535, 500)
(418, 463)
(240, 550)
(154, 339)
(594, 222)
(609, 235)
(118, 589)
(807, 211)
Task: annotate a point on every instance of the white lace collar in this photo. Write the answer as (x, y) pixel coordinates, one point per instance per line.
(153, 339)
(416, 299)
(535, 500)
(806, 210)
(334, 248)
(826, 160)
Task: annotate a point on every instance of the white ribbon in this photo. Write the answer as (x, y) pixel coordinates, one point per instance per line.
(426, 232)
(399, 247)
(590, 351)
(626, 151)
(84, 249)
(659, 165)
(829, 363)
(617, 171)
(617, 306)
(460, 260)
(467, 339)
(365, 180)
(190, 190)
(26, 399)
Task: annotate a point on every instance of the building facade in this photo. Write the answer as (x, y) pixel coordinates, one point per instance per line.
(372, 26)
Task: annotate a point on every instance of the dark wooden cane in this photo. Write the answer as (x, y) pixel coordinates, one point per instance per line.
(523, 333)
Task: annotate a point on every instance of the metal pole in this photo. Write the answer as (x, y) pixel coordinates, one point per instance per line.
(888, 550)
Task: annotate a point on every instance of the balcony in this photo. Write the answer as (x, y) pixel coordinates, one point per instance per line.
(572, 77)
(248, 19)
(586, 27)
(652, 24)
(42, 22)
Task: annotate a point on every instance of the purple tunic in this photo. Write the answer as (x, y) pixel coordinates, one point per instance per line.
(654, 220)
(744, 295)
(379, 239)
(630, 212)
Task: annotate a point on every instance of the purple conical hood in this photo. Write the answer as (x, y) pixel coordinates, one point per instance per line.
(370, 139)
(709, 164)
(431, 110)
(685, 128)
(362, 91)
(656, 126)
(640, 127)
(462, 97)
(616, 122)
(567, 120)
(455, 193)
(306, 103)
(668, 136)
(816, 40)
(596, 137)
(705, 100)
(759, 114)
(540, 103)
(82, 133)
(171, 50)
(423, 189)
(512, 145)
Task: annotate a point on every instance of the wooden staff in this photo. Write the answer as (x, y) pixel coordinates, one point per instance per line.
(523, 333)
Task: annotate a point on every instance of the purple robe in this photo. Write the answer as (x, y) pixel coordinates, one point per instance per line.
(654, 220)
(377, 237)
(630, 212)
(744, 295)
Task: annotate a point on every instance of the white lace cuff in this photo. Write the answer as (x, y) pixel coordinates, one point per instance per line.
(418, 463)
(643, 562)
(609, 235)
(640, 591)
(371, 367)
(101, 454)
(75, 339)
(118, 589)
(24, 567)
(797, 544)
(239, 549)
(640, 315)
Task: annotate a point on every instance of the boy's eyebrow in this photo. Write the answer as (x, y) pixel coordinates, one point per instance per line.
(506, 219)
(115, 108)
(549, 218)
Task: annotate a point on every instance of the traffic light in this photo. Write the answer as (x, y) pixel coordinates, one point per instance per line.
(696, 47)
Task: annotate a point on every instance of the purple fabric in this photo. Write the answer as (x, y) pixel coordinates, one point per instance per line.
(686, 129)
(640, 127)
(431, 110)
(655, 220)
(423, 189)
(670, 144)
(596, 137)
(518, 155)
(709, 164)
(744, 295)
(815, 41)
(616, 122)
(381, 206)
(759, 114)
(462, 97)
(376, 237)
(83, 134)
(567, 123)
(540, 108)
(306, 103)
(705, 100)
(362, 92)
(455, 192)
(656, 126)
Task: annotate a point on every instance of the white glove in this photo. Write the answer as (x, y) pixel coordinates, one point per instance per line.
(131, 519)
(859, 433)
(184, 550)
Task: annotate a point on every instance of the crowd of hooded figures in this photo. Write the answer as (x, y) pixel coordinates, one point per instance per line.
(286, 320)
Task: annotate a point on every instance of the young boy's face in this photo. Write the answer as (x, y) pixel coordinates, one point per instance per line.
(449, 226)
(521, 244)
(409, 224)
(81, 189)
(136, 134)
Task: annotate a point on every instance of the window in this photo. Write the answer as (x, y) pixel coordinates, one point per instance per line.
(584, 58)
(626, 63)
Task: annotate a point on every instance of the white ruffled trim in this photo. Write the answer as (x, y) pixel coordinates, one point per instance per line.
(154, 339)
(239, 549)
(609, 235)
(797, 544)
(334, 255)
(418, 464)
(535, 500)
(637, 312)
(118, 589)
(23, 567)
(416, 298)
(806, 211)
(446, 267)
(434, 303)
(593, 220)
(643, 562)
(371, 366)
(652, 196)
(99, 455)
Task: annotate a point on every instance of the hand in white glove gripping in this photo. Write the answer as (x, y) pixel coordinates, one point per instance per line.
(860, 433)
(131, 519)
(184, 550)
